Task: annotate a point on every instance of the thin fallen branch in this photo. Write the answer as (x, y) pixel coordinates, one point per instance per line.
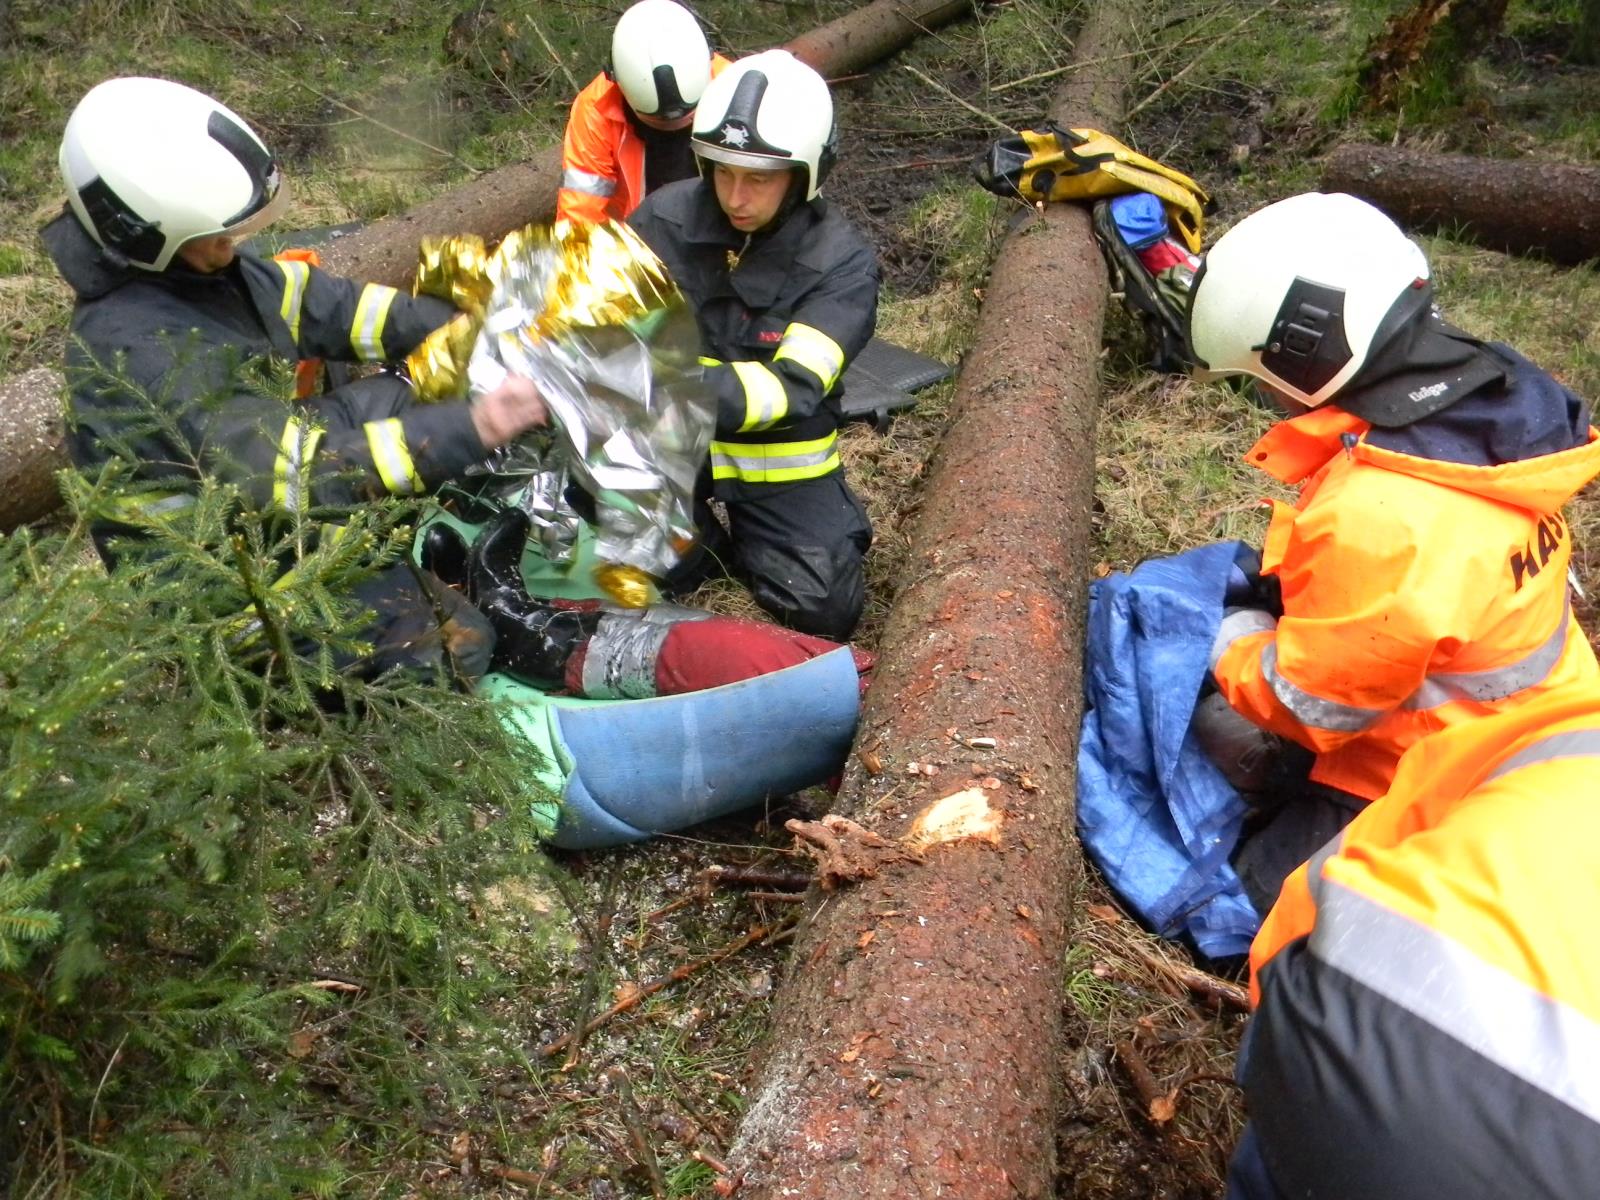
(990, 118)
(634, 1124)
(1068, 68)
(1201, 983)
(769, 878)
(677, 975)
(1198, 57)
(551, 50)
(1158, 1106)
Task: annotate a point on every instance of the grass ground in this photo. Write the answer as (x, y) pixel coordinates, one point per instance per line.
(379, 105)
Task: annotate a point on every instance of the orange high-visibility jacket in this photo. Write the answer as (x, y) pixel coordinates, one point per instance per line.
(1428, 985)
(1422, 585)
(602, 158)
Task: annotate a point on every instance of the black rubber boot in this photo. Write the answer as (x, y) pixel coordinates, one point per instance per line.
(533, 638)
(444, 553)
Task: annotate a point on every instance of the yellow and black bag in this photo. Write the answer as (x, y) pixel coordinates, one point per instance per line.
(1051, 163)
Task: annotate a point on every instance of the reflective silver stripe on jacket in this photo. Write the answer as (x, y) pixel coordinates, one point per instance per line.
(1241, 622)
(1549, 1045)
(372, 311)
(291, 470)
(295, 277)
(620, 663)
(587, 182)
(1496, 683)
(1313, 711)
(386, 440)
(1575, 743)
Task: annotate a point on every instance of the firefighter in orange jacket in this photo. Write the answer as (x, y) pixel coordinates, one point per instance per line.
(1427, 992)
(1423, 569)
(628, 132)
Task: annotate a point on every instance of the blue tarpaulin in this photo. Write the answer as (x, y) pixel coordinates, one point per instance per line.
(1155, 814)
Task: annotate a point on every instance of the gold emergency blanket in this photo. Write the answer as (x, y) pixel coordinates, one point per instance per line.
(589, 314)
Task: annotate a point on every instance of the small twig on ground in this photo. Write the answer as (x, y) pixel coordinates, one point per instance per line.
(678, 973)
(1039, 76)
(916, 163)
(1194, 61)
(631, 1121)
(1157, 1105)
(1201, 983)
(596, 940)
(778, 897)
(551, 50)
(770, 878)
(716, 1164)
(990, 118)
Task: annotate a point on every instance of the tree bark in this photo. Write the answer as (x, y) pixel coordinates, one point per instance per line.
(1519, 205)
(492, 204)
(33, 445)
(918, 1035)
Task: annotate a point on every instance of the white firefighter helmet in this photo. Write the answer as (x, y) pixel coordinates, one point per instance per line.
(149, 164)
(660, 60)
(1302, 293)
(768, 112)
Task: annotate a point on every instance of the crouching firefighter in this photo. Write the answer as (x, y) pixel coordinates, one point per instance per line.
(161, 182)
(785, 291)
(1423, 569)
(1426, 988)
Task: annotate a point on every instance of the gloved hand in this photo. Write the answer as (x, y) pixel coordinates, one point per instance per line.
(1248, 588)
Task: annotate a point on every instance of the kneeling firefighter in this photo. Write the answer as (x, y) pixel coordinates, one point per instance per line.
(1420, 580)
(170, 315)
(785, 292)
(1427, 995)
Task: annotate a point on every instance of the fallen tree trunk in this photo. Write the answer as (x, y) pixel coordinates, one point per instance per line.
(917, 1040)
(1507, 204)
(492, 204)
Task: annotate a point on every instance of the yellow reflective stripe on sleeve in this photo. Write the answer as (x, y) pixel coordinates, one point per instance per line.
(291, 471)
(813, 350)
(765, 401)
(295, 277)
(372, 310)
(775, 462)
(706, 361)
(387, 441)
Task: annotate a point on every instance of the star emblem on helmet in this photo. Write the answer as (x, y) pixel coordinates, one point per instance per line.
(735, 135)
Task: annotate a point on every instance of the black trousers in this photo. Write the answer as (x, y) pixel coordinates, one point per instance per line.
(1290, 820)
(420, 625)
(799, 546)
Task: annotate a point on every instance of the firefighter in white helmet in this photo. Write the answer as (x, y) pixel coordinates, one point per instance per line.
(1423, 570)
(786, 292)
(162, 181)
(628, 132)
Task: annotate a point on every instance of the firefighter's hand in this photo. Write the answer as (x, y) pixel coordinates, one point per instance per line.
(511, 408)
